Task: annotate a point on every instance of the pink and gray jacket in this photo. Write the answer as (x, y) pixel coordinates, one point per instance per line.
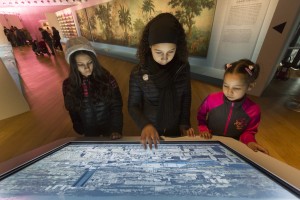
(236, 119)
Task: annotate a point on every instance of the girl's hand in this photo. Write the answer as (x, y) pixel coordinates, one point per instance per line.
(189, 132)
(256, 147)
(115, 136)
(149, 135)
(205, 135)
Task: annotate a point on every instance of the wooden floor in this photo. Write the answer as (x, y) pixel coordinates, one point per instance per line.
(48, 120)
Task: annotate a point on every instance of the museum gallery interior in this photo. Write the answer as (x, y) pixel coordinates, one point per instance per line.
(34, 120)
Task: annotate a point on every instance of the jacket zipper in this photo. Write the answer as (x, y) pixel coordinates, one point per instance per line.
(228, 118)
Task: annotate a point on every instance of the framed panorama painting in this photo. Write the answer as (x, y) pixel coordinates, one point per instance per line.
(84, 24)
(120, 22)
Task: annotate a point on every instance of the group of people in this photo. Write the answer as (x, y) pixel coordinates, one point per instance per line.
(17, 37)
(20, 37)
(159, 98)
(52, 38)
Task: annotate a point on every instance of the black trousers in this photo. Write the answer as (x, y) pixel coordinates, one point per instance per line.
(50, 44)
(57, 44)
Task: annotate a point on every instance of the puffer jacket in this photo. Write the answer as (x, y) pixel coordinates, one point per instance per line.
(101, 118)
(143, 101)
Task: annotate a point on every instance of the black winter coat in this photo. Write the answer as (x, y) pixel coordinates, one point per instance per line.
(46, 36)
(56, 35)
(143, 101)
(100, 119)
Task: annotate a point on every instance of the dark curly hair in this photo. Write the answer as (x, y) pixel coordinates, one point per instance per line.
(100, 89)
(144, 50)
(246, 67)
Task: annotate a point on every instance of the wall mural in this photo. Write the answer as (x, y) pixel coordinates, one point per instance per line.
(120, 22)
(84, 24)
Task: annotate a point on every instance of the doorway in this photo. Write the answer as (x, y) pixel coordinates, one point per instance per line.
(288, 72)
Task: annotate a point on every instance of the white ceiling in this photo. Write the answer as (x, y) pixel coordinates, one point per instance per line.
(26, 3)
(17, 7)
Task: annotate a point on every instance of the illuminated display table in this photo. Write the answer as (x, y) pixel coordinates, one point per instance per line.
(179, 169)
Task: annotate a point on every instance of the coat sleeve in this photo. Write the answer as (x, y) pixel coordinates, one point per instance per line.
(186, 103)
(249, 134)
(116, 108)
(75, 117)
(135, 102)
(76, 121)
(202, 116)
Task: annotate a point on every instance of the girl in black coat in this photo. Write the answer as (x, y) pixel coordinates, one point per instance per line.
(91, 93)
(159, 90)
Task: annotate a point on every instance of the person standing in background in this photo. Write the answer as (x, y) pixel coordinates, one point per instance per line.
(13, 37)
(21, 38)
(27, 35)
(56, 38)
(47, 38)
(49, 31)
(7, 33)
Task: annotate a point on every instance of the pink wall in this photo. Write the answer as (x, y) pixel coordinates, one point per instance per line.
(8, 20)
(31, 16)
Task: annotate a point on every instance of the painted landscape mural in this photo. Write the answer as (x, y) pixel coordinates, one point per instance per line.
(120, 22)
(84, 24)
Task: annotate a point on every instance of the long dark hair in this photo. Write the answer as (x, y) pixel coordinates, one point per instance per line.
(100, 89)
(144, 50)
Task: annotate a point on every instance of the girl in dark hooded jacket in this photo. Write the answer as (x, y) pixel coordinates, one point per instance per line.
(91, 93)
(159, 90)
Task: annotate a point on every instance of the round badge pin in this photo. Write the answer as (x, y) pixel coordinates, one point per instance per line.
(145, 77)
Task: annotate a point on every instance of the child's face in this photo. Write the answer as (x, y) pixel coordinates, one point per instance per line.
(234, 86)
(163, 53)
(84, 64)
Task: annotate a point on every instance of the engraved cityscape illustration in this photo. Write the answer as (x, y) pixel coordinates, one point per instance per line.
(127, 171)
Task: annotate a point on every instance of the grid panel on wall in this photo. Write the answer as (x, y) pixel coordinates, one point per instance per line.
(67, 25)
